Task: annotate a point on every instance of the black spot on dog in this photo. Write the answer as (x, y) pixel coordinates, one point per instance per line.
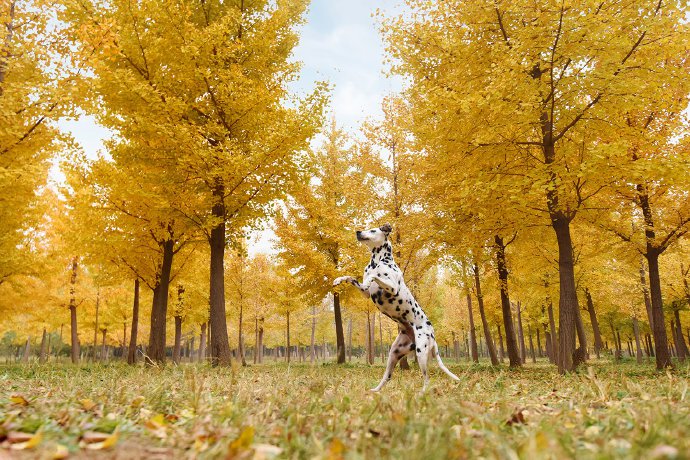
(428, 323)
(412, 346)
(419, 327)
(418, 350)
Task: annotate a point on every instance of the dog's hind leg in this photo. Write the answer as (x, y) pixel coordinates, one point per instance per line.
(400, 347)
(423, 351)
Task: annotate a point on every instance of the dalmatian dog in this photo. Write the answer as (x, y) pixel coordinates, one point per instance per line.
(383, 283)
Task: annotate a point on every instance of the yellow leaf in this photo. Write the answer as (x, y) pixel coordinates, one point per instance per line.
(34, 441)
(87, 404)
(19, 400)
(107, 443)
(155, 422)
(240, 448)
(336, 449)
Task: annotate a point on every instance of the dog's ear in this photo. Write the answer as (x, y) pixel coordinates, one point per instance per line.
(386, 228)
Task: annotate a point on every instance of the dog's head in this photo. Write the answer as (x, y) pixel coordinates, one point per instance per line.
(375, 237)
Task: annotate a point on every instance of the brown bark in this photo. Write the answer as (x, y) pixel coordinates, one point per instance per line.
(598, 345)
(349, 339)
(638, 349)
(260, 346)
(27, 350)
(473, 337)
(159, 309)
(511, 343)
(43, 353)
(485, 324)
(555, 348)
(219, 344)
(645, 292)
(313, 335)
(73, 311)
(521, 334)
(178, 340)
(103, 349)
(287, 337)
(132, 352)
(202, 343)
(339, 335)
(95, 328)
(678, 334)
(539, 349)
(568, 308)
(501, 351)
(663, 358)
(531, 344)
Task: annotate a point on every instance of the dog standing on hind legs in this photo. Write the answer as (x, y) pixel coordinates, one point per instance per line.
(383, 283)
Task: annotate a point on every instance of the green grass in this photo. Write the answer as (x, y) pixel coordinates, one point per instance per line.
(620, 410)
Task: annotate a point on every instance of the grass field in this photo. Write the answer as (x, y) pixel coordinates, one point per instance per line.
(608, 410)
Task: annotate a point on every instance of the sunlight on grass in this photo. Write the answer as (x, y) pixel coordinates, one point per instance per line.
(302, 411)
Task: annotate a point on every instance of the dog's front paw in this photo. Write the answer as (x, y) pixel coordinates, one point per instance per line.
(342, 279)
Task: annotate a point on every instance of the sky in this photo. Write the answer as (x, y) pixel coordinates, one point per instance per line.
(340, 43)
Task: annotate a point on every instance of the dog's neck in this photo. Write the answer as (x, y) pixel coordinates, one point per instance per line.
(382, 252)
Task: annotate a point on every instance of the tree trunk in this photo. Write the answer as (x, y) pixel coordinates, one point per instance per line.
(339, 335)
(27, 350)
(349, 339)
(73, 311)
(313, 335)
(43, 353)
(287, 337)
(473, 338)
(178, 339)
(678, 334)
(645, 292)
(220, 346)
(501, 267)
(95, 328)
(638, 348)
(132, 352)
(240, 336)
(521, 334)
(501, 351)
(485, 324)
(261, 340)
(539, 349)
(103, 354)
(568, 308)
(595, 323)
(383, 358)
(531, 344)
(202, 343)
(368, 340)
(555, 351)
(659, 328)
(159, 308)
(549, 350)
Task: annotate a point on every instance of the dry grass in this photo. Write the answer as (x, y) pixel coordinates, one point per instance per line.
(613, 411)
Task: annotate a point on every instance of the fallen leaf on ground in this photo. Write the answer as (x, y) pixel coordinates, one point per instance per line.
(336, 449)
(518, 418)
(87, 404)
(240, 447)
(30, 443)
(19, 400)
(105, 443)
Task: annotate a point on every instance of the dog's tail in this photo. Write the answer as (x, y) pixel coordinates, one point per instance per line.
(443, 366)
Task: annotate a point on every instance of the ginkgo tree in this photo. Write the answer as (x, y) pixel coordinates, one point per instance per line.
(539, 79)
(316, 230)
(219, 109)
